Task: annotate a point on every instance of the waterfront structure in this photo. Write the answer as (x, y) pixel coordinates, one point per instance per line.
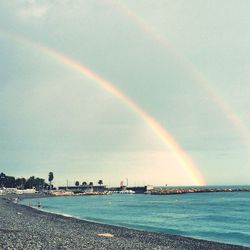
(5, 191)
(83, 188)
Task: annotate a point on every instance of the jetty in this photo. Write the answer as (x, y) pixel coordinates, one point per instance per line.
(169, 191)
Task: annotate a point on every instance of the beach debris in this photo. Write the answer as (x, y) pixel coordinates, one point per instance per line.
(108, 235)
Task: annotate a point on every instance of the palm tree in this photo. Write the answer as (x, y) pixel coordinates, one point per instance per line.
(100, 182)
(84, 183)
(91, 184)
(77, 183)
(50, 179)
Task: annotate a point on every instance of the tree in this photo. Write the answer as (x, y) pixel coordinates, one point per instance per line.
(50, 178)
(31, 182)
(2, 175)
(100, 182)
(84, 183)
(2, 179)
(91, 184)
(20, 182)
(10, 182)
(39, 183)
(77, 183)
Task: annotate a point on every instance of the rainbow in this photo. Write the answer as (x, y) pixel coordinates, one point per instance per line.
(183, 159)
(190, 68)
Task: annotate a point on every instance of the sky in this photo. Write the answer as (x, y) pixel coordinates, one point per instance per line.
(185, 64)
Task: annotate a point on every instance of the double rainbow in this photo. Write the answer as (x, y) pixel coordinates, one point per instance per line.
(181, 156)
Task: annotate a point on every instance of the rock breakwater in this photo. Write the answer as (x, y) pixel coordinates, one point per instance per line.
(169, 191)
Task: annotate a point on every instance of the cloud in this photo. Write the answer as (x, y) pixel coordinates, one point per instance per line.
(31, 8)
(34, 11)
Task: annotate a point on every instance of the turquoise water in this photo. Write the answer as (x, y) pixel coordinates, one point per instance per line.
(223, 217)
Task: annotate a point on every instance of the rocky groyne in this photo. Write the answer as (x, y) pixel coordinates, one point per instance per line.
(169, 191)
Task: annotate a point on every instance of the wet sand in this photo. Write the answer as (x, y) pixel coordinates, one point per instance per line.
(23, 227)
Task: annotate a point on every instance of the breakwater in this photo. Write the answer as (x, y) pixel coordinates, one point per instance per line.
(169, 191)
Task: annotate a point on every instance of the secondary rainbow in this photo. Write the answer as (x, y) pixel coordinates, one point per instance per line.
(190, 68)
(184, 160)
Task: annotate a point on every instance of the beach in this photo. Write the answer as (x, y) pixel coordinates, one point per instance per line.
(23, 227)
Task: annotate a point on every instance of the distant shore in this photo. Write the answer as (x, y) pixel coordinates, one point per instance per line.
(23, 227)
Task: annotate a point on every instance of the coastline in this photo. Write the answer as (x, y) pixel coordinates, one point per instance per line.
(24, 227)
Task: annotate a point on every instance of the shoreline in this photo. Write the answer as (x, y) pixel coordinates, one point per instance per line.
(24, 227)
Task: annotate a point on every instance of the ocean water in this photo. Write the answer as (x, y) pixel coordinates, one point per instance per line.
(222, 217)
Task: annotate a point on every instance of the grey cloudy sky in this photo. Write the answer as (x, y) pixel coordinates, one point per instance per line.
(181, 61)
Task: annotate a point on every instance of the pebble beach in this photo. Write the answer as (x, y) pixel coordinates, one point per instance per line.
(23, 227)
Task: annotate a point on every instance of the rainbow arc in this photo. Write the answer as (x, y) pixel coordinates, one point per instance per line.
(189, 67)
(181, 156)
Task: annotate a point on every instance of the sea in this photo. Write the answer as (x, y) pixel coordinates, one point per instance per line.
(221, 217)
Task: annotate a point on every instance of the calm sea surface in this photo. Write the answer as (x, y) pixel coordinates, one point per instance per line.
(223, 217)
